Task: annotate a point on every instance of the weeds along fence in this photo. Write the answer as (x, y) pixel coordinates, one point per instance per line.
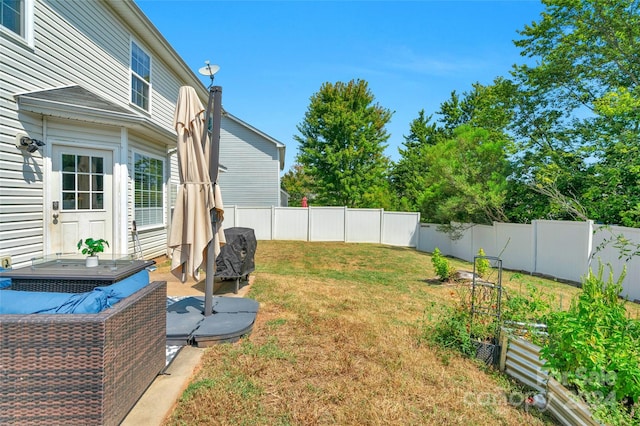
(556, 249)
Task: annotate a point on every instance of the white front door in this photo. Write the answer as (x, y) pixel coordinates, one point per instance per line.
(82, 198)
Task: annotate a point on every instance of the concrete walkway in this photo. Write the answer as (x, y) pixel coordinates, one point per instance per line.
(160, 398)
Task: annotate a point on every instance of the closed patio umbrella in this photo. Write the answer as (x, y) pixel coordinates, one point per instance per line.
(191, 227)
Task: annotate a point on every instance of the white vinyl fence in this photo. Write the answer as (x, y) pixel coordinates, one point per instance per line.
(559, 249)
(327, 224)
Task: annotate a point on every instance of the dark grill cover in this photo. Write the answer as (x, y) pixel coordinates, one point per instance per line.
(236, 258)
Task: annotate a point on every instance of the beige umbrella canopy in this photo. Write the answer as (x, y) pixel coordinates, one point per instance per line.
(191, 228)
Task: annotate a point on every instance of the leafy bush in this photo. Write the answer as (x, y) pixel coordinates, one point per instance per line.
(454, 328)
(595, 348)
(531, 306)
(482, 264)
(451, 330)
(441, 265)
(524, 313)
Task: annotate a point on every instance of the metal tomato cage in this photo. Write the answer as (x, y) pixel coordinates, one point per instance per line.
(486, 308)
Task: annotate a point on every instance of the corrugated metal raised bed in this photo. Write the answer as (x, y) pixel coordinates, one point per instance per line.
(520, 359)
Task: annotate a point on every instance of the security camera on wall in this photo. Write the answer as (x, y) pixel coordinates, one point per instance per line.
(24, 142)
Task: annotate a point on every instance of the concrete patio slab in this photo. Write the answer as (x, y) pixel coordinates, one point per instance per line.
(158, 401)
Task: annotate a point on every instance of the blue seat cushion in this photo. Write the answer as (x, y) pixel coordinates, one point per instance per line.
(4, 282)
(92, 302)
(36, 302)
(125, 288)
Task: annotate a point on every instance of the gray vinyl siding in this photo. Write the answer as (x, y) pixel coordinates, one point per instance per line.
(252, 176)
(92, 48)
(84, 43)
(21, 197)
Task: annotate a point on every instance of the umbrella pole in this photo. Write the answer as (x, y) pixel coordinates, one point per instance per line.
(215, 93)
(208, 284)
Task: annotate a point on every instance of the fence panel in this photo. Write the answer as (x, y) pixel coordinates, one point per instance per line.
(562, 248)
(484, 237)
(462, 247)
(514, 245)
(400, 229)
(229, 217)
(429, 238)
(291, 223)
(363, 225)
(326, 223)
(258, 218)
(607, 253)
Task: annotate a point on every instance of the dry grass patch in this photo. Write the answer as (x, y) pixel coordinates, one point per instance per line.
(337, 341)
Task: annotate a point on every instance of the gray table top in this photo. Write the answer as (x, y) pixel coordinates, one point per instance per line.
(111, 270)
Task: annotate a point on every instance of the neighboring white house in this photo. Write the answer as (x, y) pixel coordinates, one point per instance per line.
(97, 84)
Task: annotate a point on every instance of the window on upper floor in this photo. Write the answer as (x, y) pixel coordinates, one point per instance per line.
(12, 15)
(148, 190)
(16, 19)
(140, 77)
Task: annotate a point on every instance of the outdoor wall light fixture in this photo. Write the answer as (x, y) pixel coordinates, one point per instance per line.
(28, 144)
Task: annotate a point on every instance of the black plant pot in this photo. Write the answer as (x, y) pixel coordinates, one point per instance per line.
(487, 352)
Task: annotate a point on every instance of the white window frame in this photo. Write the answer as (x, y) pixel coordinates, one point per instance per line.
(133, 42)
(27, 24)
(163, 192)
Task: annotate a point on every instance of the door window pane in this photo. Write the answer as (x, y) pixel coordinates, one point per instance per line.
(84, 201)
(68, 201)
(83, 164)
(97, 165)
(98, 201)
(82, 182)
(68, 182)
(68, 163)
(98, 183)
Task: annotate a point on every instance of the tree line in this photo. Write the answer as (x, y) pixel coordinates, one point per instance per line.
(556, 140)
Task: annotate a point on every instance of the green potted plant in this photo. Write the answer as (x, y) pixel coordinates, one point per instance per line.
(91, 248)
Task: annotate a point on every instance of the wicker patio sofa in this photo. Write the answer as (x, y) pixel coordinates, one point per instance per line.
(81, 369)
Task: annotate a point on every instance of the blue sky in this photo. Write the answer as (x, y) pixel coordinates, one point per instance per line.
(274, 55)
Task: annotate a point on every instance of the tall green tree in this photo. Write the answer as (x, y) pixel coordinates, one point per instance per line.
(456, 169)
(579, 112)
(342, 146)
(408, 174)
(297, 184)
(466, 180)
(490, 107)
